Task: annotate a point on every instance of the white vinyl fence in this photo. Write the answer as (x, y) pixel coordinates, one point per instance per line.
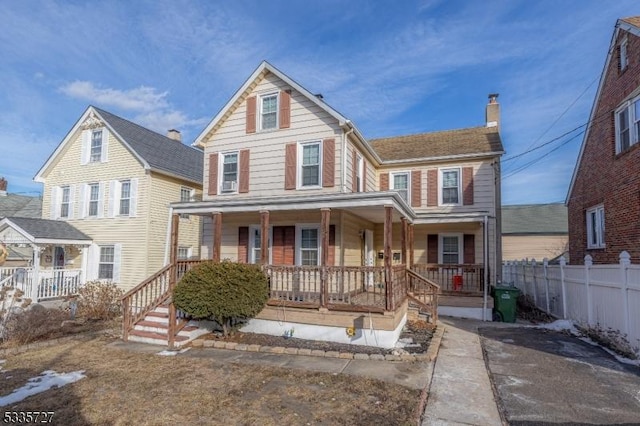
(603, 296)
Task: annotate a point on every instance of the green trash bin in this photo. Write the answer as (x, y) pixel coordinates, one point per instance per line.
(504, 303)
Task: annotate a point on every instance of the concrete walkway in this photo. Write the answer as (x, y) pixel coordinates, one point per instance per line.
(460, 392)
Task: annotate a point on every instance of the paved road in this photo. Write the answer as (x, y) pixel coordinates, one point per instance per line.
(547, 377)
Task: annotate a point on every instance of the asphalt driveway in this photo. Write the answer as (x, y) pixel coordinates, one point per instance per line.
(547, 377)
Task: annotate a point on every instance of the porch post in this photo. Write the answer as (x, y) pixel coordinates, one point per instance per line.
(325, 216)
(35, 279)
(410, 238)
(388, 276)
(217, 236)
(403, 240)
(173, 278)
(264, 237)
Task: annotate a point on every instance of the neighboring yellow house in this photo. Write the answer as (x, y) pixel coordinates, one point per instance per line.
(114, 181)
(535, 231)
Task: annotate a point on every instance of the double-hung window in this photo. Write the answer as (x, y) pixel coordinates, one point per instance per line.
(449, 186)
(308, 246)
(184, 252)
(450, 249)
(95, 154)
(269, 111)
(627, 122)
(94, 199)
(310, 166)
(400, 183)
(595, 227)
(64, 201)
(229, 172)
(125, 198)
(106, 263)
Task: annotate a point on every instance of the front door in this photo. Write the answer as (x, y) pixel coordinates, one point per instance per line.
(369, 255)
(58, 258)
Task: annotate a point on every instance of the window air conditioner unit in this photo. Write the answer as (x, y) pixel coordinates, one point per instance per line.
(229, 186)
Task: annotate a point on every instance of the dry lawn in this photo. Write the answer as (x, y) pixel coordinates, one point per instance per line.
(127, 388)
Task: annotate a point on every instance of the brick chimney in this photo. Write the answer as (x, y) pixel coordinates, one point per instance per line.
(175, 135)
(493, 111)
(3, 187)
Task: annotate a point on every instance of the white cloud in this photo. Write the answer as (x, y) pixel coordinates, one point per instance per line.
(139, 99)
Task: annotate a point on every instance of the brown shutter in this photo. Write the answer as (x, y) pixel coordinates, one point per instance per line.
(283, 245)
(354, 171)
(469, 248)
(384, 181)
(243, 178)
(285, 110)
(213, 174)
(416, 188)
(467, 186)
(332, 245)
(328, 162)
(243, 244)
(432, 248)
(290, 166)
(432, 188)
(251, 114)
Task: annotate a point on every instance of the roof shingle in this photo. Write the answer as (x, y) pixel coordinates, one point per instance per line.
(632, 20)
(546, 219)
(20, 205)
(474, 140)
(49, 229)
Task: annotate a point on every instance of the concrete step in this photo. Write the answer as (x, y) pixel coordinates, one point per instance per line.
(155, 338)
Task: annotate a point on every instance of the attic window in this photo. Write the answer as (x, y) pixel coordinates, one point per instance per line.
(269, 111)
(96, 146)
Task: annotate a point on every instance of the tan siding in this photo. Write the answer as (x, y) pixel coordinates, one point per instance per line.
(353, 242)
(518, 247)
(308, 122)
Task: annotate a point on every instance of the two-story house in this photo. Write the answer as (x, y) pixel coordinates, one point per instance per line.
(114, 180)
(603, 198)
(347, 228)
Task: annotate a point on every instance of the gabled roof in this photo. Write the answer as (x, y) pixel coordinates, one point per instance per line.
(154, 151)
(20, 205)
(45, 230)
(531, 219)
(444, 144)
(632, 25)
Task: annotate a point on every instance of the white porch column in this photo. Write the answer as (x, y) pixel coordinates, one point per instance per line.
(35, 279)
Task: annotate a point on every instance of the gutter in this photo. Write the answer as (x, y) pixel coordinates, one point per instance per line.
(443, 158)
(485, 229)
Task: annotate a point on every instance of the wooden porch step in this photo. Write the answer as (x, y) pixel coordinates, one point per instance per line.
(158, 314)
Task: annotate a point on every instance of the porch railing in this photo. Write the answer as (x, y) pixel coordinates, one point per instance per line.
(51, 283)
(464, 278)
(424, 292)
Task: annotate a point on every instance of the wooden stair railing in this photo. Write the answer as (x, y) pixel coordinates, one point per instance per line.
(424, 293)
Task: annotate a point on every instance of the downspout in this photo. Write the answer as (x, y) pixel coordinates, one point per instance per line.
(167, 238)
(485, 232)
(343, 172)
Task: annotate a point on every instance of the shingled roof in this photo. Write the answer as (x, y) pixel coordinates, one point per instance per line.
(632, 20)
(48, 229)
(474, 140)
(160, 152)
(545, 219)
(20, 205)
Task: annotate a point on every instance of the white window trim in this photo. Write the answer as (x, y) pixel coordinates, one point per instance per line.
(441, 172)
(117, 259)
(221, 172)
(259, 111)
(391, 182)
(634, 136)
(624, 55)
(298, 244)
(100, 208)
(251, 248)
(299, 153)
(600, 233)
(460, 246)
(360, 172)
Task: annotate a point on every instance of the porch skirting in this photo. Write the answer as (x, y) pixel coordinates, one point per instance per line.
(369, 329)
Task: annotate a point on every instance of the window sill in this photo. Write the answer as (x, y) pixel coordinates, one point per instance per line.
(597, 248)
(306, 188)
(631, 148)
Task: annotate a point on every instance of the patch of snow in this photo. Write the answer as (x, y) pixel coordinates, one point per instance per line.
(45, 381)
(508, 340)
(172, 353)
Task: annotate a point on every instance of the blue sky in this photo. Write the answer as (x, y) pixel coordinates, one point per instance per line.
(393, 68)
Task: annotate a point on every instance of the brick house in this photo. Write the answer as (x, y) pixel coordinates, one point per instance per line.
(604, 195)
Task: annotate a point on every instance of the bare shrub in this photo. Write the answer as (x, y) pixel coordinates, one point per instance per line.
(99, 301)
(33, 324)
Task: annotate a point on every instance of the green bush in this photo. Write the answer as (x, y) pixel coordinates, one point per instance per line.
(223, 292)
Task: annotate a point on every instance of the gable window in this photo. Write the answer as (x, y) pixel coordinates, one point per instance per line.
(96, 146)
(400, 183)
(64, 201)
(106, 263)
(450, 249)
(449, 187)
(627, 122)
(229, 172)
(624, 57)
(94, 198)
(309, 250)
(269, 111)
(359, 173)
(310, 166)
(125, 197)
(595, 227)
